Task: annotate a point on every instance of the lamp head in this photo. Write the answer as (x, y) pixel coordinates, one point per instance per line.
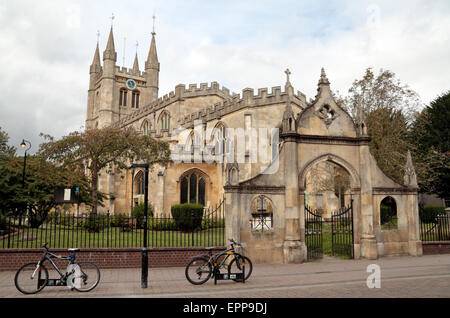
(23, 145)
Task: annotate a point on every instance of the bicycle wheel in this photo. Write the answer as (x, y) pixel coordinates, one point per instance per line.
(85, 277)
(30, 280)
(235, 266)
(198, 271)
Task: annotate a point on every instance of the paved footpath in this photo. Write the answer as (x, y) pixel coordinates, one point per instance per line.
(426, 276)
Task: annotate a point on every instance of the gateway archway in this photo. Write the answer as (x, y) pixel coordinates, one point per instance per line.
(328, 207)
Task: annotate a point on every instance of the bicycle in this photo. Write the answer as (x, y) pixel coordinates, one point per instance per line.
(201, 267)
(31, 278)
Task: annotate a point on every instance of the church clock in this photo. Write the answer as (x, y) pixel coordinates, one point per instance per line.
(131, 84)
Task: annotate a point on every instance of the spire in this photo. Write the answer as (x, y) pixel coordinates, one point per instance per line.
(136, 65)
(361, 121)
(323, 78)
(96, 65)
(410, 177)
(152, 59)
(323, 85)
(110, 52)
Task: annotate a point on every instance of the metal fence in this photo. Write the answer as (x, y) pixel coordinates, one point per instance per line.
(435, 229)
(114, 231)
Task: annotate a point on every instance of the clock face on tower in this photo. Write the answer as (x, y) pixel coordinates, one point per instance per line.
(131, 84)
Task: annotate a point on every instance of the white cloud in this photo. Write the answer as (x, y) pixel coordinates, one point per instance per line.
(47, 48)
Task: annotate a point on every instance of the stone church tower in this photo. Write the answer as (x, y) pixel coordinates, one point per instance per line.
(114, 91)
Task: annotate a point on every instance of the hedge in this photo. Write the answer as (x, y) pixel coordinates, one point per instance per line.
(187, 216)
(429, 213)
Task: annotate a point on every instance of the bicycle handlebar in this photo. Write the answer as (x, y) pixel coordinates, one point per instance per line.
(233, 242)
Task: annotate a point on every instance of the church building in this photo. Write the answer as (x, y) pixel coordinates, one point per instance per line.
(273, 156)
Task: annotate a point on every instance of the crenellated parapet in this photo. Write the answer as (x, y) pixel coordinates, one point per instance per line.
(231, 102)
(128, 72)
(178, 95)
(248, 99)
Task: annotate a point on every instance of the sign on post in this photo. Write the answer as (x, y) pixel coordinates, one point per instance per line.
(67, 195)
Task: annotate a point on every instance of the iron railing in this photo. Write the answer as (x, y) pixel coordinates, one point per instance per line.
(113, 231)
(435, 228)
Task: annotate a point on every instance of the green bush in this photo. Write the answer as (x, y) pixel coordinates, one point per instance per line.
(119, 220)
(96, 223)
(429, 213)
(138, 214)
(187, 216)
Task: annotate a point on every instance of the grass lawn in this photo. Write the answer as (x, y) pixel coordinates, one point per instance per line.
(59, 236)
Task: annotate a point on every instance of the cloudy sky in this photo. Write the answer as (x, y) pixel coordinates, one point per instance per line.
(46, 48)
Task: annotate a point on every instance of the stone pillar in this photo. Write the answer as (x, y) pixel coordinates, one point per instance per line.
(232, 216)
(414, 242)
(356, 196)
(294, 249)
(368, 240)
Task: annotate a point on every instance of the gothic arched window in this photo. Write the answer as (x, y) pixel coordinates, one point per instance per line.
(388, 213)
(145, 128)
(262, 214)
(193, 188)
(165, 121)
(139, 183)
(218, 139)
(123, 97)
(135, 99)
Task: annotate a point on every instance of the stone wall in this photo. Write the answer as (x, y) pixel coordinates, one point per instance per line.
(12, 259)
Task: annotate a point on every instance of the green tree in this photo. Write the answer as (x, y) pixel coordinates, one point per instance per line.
(40, 181)
(388, 107)
(5, 149)
(107, 149)
(430, 140)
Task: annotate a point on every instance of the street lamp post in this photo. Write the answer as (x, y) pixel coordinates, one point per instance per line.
(23, 145)
(144, 275)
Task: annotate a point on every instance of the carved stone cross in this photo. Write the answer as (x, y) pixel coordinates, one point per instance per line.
(287, 74)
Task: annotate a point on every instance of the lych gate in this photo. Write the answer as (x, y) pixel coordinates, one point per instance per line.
(324, 171)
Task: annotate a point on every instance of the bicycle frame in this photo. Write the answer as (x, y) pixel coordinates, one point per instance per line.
(48, 256)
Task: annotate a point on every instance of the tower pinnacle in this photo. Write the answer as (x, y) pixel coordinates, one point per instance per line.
(110, 52)
(96, 65)
(152, 59)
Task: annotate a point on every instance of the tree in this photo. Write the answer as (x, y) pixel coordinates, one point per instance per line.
(430, 140)
(5, 149)
(37, 195)
(383, 91)
(388, 107)
(107, 149)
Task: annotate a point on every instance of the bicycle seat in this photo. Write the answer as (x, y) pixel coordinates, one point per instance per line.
(73, 249)
(209, 248)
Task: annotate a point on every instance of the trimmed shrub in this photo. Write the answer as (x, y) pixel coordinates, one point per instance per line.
(429, 213)
(138, 214)
(187, 216)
